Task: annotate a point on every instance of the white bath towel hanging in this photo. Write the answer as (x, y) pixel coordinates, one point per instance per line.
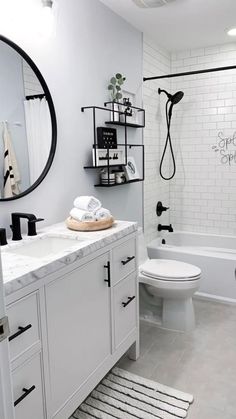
(11, 171)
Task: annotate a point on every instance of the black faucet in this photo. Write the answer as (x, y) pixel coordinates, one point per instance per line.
(15, 226)
(168, 228)
(3, 237)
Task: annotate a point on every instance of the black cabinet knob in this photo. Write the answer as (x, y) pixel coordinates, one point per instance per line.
(20, 331)
(129, 258)
(129, 301)
(108, 280)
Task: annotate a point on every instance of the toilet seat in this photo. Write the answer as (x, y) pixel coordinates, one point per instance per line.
(170, 270)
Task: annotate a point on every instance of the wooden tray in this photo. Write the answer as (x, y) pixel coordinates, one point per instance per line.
(72, 224)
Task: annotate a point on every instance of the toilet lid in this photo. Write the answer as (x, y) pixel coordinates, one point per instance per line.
(167, 270)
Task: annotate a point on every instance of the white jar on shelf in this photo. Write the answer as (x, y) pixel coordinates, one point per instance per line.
(107, 178)
(115, 116)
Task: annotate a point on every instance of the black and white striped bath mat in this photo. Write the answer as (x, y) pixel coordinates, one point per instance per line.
(122, 395)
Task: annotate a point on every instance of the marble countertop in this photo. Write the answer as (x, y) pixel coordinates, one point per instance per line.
(20, 270)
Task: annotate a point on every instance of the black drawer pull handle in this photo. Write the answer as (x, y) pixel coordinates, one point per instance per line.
(108, 280)
(129, 301)
(129, 258)
(24, 395)
(20, 331)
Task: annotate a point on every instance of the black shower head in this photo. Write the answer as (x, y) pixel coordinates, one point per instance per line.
(174, 99)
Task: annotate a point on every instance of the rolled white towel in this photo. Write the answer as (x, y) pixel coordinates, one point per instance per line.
(81, 215)
(87, 203)
(102, 214)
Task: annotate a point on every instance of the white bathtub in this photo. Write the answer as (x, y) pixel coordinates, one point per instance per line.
(215, 255)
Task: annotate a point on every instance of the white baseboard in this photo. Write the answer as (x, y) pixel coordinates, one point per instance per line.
(216, 298)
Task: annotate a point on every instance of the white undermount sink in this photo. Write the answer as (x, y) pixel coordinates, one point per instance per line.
(44, 247)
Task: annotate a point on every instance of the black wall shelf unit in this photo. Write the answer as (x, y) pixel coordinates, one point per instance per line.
(122, 124)
(109, 107)
(118, 184)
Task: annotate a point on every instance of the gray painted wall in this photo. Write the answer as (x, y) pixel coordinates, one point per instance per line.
(90, 45)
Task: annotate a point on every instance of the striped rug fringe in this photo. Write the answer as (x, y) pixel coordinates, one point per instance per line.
(122, 395)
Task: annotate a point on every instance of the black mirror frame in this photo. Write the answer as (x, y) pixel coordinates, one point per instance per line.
(53, 119)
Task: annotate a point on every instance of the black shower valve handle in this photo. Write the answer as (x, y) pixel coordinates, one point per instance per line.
(160, 208)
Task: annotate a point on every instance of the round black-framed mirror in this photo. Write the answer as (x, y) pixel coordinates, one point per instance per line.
(43, 99)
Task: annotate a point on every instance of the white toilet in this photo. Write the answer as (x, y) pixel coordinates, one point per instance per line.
(175, 283)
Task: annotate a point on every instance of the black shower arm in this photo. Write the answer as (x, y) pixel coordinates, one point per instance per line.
(167, 94)
(163, 90)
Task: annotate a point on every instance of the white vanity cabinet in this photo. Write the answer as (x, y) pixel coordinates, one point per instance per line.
(79, 328)
(92, 320)
(71, 327)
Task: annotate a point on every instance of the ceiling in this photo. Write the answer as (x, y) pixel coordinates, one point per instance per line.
(182, 24)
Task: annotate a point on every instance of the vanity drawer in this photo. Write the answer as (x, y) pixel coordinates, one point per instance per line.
(28, 391)
(125, 308)
(124, 260)
(24, 325)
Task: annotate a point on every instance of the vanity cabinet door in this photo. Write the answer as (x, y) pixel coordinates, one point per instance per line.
(24, 325)
(79, 329)
(28, 390)
(125, 309)
(124, 260)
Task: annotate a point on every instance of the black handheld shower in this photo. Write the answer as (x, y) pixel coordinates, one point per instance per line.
(172, 100)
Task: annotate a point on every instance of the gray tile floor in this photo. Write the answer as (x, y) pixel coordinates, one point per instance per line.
(202, 362)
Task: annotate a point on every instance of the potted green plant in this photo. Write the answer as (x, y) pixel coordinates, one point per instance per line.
(115, 90)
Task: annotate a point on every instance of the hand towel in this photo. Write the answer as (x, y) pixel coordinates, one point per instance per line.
(102, 214)
(81, 215)
(11, 171)
(87, 203)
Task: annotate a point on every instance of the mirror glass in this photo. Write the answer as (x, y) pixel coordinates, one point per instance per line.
(27, 123)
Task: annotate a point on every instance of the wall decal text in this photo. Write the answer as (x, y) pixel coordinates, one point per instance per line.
(226, 147)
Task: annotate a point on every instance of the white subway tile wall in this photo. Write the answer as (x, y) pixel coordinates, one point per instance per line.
(203, 193)
(202, 196)
(156, 61)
